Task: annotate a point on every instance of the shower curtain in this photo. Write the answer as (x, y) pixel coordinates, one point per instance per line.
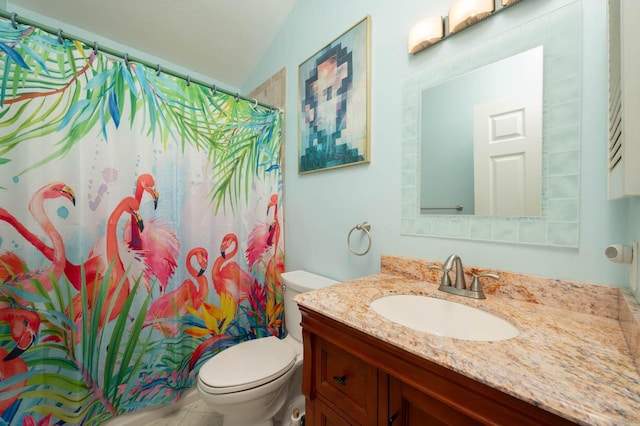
(139, 230)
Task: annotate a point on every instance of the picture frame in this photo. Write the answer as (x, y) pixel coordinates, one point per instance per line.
(334, 103)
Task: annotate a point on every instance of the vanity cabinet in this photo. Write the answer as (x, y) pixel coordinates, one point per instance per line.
(352, 378)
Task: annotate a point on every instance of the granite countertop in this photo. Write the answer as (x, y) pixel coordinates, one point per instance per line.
(577, 365)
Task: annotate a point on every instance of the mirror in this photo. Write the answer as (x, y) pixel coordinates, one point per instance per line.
(481, 140)
(558, 29)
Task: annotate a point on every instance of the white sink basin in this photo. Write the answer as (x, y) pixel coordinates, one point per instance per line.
(443, 318)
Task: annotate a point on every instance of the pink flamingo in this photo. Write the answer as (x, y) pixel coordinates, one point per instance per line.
(261, 239)
(275, 267)
(159, 246)
(174, 303)
(72, 271)
(158, 250)
(24, 326)
(58, 261)
(264, 235)
(127, 205)
(227, 275)
(144, 183)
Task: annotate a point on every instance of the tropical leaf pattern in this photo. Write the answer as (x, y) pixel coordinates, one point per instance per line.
(114, 293)
(67, 88)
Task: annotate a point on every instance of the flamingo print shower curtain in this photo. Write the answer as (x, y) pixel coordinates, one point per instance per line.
(139, 230)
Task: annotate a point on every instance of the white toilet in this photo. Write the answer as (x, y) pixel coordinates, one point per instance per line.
(249, 383)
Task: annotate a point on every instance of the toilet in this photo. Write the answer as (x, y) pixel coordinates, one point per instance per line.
(251, 382)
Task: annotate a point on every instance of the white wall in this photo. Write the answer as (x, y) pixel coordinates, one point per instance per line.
(321, 208)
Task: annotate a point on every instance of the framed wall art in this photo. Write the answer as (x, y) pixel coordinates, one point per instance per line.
(334, 103)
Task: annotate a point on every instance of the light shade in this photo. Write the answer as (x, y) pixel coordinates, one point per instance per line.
(425, 33)
(467, 12)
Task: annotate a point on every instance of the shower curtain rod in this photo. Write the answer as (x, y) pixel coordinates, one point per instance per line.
(14, 18)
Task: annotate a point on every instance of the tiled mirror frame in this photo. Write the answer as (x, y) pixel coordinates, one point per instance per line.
(560, 32)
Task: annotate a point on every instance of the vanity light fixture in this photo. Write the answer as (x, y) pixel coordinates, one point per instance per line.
(464, 13)
(425, 33)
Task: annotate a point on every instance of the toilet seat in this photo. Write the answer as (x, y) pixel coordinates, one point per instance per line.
(247, 365)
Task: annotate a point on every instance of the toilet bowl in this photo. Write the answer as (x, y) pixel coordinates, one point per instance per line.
(250, 382)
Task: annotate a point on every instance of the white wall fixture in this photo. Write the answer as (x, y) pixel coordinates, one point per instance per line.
(425, 33)
(624, 98)
(619, 253)
(626, 253)
(464, 13)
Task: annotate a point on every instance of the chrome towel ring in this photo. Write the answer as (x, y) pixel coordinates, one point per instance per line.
(364, 227)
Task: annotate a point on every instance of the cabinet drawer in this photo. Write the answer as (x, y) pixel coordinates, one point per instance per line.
(325, 416)
(345, 381)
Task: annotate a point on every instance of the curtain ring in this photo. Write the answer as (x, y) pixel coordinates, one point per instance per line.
(60, 39)
(188, 80)
(126, 60)
(13, 20)
(364, 227)
(255, 102)
(214, 90)
(158, 70)
(237, 97)
(95, 47)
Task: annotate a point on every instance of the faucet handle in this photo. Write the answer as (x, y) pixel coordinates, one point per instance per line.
(446, 279)
(475, 284)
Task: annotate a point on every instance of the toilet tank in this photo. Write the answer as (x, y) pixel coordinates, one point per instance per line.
(297, 282)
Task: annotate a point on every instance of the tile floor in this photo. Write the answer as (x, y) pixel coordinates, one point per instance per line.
(194, 414)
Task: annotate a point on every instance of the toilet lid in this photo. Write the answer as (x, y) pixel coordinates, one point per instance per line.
(247, 365)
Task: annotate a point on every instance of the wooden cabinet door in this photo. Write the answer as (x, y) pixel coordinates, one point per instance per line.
(410, 407)
(346, 381)
(323, 415)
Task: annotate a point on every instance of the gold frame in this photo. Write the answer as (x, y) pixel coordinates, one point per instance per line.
(357, 111)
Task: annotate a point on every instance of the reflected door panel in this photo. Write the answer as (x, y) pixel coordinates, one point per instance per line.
(507, 156)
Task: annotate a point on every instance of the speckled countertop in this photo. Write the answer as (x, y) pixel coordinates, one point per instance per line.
(575, 364)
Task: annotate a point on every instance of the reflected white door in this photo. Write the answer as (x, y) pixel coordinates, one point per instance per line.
(507, 148)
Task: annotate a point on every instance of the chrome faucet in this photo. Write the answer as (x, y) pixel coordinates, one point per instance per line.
(455, 261)
(460, 287)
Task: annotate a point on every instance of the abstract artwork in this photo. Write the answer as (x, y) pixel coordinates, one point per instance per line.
(334, 103)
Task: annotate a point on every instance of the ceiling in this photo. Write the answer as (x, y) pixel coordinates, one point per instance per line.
(222, 39)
